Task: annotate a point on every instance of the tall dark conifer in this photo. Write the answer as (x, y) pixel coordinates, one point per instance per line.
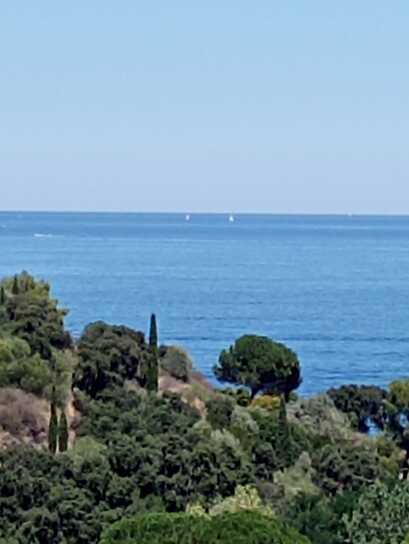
(153, 332)
(2, 296)
(63, 433)
(284, 438)
(16, 288)
(53, 429)
(152, 374)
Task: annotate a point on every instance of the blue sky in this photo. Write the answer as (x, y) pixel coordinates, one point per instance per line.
(221, 105)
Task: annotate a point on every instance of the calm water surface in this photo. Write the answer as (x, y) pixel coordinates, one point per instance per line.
(335, 289)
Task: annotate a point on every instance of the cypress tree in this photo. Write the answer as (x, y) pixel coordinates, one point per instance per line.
(153, 332)
(2, 296)
(284, 439)
(53, 429)
(15, 289)
(152, 373)
(63, 433)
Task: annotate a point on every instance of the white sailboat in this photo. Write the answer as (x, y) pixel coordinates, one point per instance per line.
(187, 217)
(231, 218)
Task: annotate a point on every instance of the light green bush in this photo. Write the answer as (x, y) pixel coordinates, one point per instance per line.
(237, 528)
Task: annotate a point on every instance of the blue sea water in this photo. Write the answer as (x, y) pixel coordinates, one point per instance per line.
(335, 289)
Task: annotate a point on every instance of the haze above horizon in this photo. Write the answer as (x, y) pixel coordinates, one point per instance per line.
(179, 107)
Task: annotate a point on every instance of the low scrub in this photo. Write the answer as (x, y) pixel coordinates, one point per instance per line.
(240, 528)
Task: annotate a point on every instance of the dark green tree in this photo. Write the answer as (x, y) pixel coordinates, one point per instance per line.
(152, 369)
(15, 288)
(108, 356)
(284, 442)
(35, 317)
(53, 429)
(152, 372)
(261, 365)
(153, 332)
(2, 296)
(63, 434)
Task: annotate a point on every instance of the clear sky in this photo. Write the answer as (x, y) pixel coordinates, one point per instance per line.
(219, 105)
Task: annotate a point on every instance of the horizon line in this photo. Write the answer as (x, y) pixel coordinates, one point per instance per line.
(192, 213)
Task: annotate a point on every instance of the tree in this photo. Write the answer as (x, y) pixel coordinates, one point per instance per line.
(53, 429)
(63, 433)
(108, 356)
(15, 288)
(2, 296)
(34, 316)
(152, 370)
(261, 365)
(153, 332)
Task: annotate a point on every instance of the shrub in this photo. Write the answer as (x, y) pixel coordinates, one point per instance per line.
(381, 516)
(219, 411)
(365, 403)
(240, 528)
(267, 402)
(240, 395)
(244, 427)
(18, 368)
(347, 466)
(246, 498)
(319, 416)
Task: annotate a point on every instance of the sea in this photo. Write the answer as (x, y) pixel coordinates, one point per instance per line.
(333, 288)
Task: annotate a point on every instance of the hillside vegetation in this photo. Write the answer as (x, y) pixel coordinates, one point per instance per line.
(115, 439)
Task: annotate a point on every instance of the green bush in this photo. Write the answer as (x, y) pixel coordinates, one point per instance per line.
(32, 315)
(381, 516)
(363, 403)
(267, 402)
(238, 528)
(219, 411)
(19, 369)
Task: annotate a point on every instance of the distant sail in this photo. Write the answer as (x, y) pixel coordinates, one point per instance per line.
(187, 217)
(231, 219)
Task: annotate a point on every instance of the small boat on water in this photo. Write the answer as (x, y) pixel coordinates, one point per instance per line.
(187, 217)
(231, 219)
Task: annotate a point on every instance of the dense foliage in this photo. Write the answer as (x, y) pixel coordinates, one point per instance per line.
(89, 446)
(240, 528)
(261, 365)
(30, 314)
(381, 515)
(365, 404)
(110, 355)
